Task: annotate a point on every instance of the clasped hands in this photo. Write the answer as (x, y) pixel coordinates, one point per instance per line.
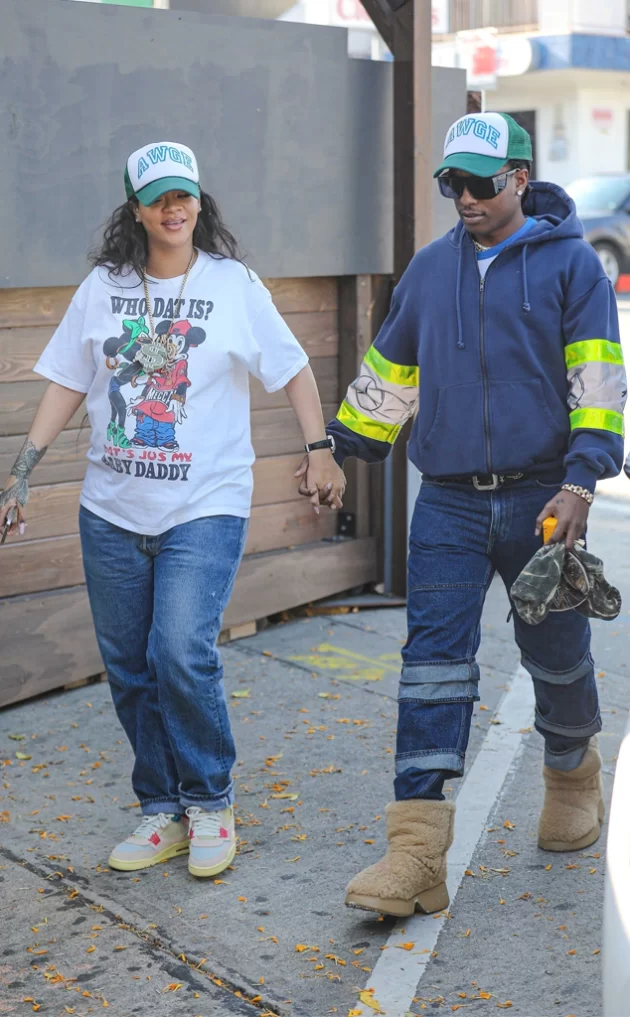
(322, 481)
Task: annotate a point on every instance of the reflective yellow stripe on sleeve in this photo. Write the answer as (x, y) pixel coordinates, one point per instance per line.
(365, 426)
(396, 374)
(597, 420)
(590, 351)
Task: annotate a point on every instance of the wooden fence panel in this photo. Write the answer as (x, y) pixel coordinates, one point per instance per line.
(291, 556)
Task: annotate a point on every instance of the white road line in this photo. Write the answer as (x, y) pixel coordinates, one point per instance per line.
(397, 972)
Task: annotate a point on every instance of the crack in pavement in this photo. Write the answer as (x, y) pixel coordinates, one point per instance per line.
(157, 940)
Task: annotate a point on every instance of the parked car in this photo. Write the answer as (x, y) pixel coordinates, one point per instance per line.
(603, 206)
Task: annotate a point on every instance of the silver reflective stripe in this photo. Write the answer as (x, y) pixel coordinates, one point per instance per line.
(597, 384)
(383, 401)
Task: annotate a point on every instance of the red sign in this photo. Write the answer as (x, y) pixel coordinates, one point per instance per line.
(351, 10)
(602, 116)
(484, 61)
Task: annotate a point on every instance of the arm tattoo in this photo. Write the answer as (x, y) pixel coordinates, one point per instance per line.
(22, 468)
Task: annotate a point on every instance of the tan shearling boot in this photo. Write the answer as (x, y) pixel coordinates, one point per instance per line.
(574, 806)
(412, 874)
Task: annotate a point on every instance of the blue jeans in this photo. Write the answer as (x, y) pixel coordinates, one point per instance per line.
(157, 604)
(154, 432)
(459, 538)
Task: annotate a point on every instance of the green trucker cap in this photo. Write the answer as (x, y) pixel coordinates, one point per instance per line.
(482, 143)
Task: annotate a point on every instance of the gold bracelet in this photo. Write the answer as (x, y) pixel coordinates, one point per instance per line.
(582, 491)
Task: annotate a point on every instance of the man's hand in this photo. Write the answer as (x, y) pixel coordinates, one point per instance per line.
(571, 511)
(321, 480)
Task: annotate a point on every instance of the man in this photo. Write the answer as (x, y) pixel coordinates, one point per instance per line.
(508, 324)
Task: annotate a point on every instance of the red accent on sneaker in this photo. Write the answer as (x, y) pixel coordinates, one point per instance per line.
(223, 833)
(155, 839)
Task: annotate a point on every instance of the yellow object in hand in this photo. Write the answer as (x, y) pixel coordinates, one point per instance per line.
(548, 526)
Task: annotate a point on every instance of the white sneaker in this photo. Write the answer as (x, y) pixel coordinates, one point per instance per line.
(212, 841)
(156, 839)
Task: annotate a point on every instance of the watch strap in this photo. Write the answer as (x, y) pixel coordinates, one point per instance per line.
(315, 445)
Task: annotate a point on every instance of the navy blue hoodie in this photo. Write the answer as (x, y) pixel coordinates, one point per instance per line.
(519, 372)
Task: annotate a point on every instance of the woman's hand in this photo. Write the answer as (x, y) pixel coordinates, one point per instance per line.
(321, 480)
(11, 507)
(571, 511)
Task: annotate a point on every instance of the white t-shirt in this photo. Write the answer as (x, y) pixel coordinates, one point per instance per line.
(174, 446)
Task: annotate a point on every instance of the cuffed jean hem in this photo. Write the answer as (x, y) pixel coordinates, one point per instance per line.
(565, 761)
(593, 727)
(558, 677)
(463, 674)
(208, 803)
(436, 759)
(153, 807)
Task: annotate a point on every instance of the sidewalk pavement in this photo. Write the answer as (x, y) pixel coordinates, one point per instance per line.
(314, 717)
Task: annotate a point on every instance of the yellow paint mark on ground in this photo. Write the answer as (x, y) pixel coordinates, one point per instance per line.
(336, 658)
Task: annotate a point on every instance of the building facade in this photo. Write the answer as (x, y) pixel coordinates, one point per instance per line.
(562, 67)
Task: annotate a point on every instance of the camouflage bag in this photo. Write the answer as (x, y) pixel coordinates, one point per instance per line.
(559, 580)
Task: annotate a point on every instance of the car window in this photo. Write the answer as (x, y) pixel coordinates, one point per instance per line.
(599, 194)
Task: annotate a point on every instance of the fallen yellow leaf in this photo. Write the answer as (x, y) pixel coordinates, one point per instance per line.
(240, 694)
(90, 949)
(505, 1006)
(406, 946)
(173, 987)
(367, 998)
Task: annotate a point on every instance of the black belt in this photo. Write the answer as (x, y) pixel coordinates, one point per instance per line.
(481, 481)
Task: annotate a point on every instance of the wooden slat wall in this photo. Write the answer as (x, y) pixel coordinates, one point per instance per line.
(45, 628)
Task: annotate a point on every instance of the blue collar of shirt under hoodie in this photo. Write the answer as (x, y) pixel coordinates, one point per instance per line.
(492, 252)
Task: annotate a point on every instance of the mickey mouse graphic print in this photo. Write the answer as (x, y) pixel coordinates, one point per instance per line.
(173, 445)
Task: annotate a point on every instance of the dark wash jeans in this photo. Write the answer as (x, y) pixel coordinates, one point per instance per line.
(157, 604)
(459, 538)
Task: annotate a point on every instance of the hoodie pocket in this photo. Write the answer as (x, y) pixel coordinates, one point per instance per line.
(454, 441)
(524, 428)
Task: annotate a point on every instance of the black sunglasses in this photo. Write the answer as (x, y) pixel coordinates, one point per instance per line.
(480, 188)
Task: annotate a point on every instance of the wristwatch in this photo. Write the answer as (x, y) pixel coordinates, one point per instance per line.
(328, 442)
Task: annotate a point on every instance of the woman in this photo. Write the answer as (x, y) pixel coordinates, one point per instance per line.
(161, 337)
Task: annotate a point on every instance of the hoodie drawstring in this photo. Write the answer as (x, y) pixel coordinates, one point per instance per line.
(526, 304)
(458, 295)
(458, 289)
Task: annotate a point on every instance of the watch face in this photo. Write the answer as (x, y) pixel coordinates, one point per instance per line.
(333, 444)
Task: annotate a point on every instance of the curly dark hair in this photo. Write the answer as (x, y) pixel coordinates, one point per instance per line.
(125, 244)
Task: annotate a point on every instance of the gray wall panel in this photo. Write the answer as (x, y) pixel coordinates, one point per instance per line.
(294, 139)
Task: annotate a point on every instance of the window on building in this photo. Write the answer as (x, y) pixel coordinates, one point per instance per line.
(505, 14)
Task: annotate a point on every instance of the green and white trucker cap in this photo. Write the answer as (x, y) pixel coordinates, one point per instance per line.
(163, 166)
(481, 143)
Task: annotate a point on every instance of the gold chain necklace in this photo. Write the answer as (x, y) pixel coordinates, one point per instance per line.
(154, 354)
(479, 247)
